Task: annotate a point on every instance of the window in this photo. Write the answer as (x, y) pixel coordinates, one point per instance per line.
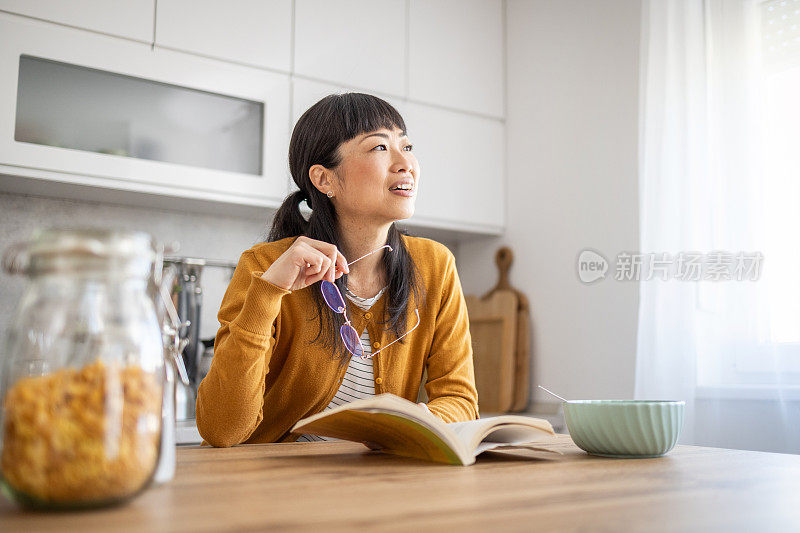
(760, 345)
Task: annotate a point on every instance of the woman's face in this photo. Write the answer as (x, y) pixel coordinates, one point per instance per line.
(377, 177)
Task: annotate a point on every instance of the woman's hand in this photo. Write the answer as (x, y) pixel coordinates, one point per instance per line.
(306, 262)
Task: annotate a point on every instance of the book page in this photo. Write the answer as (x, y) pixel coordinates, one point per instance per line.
(512, 436)
(387, 432)
(392, 424)
(488, 433)
(389, 403)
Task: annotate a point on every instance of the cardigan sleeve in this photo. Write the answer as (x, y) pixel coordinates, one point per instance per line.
(451, 376)
(230, 398)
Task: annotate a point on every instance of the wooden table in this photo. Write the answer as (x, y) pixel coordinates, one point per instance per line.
(340, 485)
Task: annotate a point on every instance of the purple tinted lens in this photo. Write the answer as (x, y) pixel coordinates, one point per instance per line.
(332, 296)
(351, 340)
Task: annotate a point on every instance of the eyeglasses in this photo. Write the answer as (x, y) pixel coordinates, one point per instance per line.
(333, 297)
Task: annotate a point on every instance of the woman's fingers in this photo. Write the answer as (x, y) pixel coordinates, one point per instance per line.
(320, 271)
(330, 250)
(330, 262)
(305, 262)
(309, 256)
(313, 261)
(341, 263)
(310, 280)
(337, 261)
(330, 274)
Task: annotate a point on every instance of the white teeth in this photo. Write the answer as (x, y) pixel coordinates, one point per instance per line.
(403, 188)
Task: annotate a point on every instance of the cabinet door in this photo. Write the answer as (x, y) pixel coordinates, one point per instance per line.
(353, 43)
(125, 18)
(135, 63)
(456, 54)
(253, 32)
(462, 172)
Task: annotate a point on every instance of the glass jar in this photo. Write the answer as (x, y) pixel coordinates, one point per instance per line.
(82, 376)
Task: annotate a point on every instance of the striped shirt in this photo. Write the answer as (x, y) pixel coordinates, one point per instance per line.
(359, 380)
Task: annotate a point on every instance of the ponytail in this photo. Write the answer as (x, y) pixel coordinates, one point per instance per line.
(288, 220)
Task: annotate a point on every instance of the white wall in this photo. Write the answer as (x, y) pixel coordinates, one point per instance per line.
(571, 140)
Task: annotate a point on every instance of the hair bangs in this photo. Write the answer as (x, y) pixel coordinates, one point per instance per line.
(362, 113)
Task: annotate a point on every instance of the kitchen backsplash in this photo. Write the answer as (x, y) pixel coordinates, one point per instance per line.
(209, 236)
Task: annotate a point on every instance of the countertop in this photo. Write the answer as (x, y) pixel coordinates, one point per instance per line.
(328, 486)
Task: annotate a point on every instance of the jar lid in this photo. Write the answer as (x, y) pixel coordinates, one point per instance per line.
(84, 250)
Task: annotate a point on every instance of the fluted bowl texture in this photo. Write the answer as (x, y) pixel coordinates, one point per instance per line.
(625, 428)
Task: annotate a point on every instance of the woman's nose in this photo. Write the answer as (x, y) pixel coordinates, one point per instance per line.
(403, 162)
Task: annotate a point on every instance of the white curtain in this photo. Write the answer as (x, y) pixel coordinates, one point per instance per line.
(707, 186)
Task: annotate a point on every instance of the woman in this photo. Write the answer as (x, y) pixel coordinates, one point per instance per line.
(281, 353)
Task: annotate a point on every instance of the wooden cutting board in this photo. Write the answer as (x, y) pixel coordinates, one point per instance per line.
(493, 328)
(503, 389)
(522, 355)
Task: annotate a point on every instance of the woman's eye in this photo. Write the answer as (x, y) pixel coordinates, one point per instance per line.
(383, 148)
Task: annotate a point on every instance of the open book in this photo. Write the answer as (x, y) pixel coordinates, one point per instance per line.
(392, 424)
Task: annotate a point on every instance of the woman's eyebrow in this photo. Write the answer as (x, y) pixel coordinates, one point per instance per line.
(380, 135)
(375, 135)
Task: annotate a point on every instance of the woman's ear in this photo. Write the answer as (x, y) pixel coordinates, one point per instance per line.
(321, 178)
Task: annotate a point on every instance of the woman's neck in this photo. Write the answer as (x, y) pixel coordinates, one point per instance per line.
(358, 239)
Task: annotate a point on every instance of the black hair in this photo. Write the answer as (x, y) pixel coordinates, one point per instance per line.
(316, 139)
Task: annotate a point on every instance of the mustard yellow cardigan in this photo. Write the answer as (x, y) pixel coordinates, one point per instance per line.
(265, 374)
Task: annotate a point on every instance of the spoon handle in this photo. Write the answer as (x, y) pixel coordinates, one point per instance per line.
(553, 394)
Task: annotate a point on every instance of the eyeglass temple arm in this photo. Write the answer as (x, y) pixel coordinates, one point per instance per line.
(400, 337)
(372, 252)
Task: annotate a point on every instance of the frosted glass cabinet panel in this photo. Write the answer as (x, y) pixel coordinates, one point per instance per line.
(69, 106)
(120, 121)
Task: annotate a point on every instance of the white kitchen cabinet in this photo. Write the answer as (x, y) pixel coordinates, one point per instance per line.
(37, 165)
(462, 169)
(354, 43)
(253, 32)
(132, 19)
(456, 54)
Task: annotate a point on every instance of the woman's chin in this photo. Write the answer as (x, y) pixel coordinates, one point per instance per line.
(405, 214)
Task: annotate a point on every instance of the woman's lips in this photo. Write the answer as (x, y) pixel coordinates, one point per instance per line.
(406, 193)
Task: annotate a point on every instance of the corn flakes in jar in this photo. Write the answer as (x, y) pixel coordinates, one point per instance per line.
(83, 368)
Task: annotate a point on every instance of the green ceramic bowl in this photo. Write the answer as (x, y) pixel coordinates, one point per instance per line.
(625, 428)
